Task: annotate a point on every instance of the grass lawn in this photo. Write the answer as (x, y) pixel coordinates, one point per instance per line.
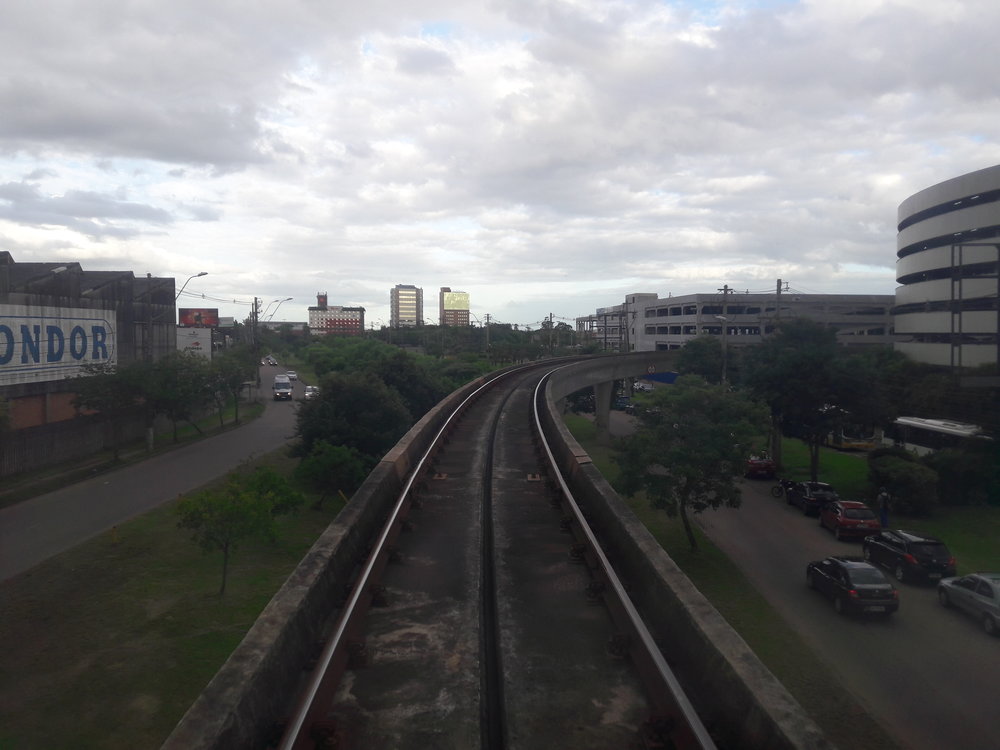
(971, 533)
(108, 644)
(776, 643)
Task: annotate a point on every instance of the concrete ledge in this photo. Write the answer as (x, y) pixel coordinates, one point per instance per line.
(249, 694)
(738, 698)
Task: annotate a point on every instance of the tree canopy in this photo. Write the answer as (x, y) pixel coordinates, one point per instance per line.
(246, 506)
(356, 411)
(690, 448)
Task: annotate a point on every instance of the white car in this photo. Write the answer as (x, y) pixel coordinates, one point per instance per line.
(292, 375)
(310, 393)
(978, 594)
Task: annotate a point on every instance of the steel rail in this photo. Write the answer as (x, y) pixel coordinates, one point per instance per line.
(692, 732)
(335, 647)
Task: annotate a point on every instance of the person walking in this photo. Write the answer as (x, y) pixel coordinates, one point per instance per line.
(883, 507)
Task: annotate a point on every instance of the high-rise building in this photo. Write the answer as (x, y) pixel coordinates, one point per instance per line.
(406, 304)
(453, 307)
(334, 319)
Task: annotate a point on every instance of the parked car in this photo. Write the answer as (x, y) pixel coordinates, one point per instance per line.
(849, 519)
(810, 496)
(760, 466)
(310, 392)
(292, 375)
(853, 585)
(909, 554)
(978, 594)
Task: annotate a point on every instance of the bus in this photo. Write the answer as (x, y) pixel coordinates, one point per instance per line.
(855, 437)
(923, 436)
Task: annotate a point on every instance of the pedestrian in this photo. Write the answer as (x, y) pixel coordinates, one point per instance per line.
(883, 507)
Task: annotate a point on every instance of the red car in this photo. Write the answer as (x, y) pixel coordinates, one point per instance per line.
(760, 466)
(847, 519)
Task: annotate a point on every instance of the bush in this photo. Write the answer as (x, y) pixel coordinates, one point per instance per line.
(966, 477)
(912, 486)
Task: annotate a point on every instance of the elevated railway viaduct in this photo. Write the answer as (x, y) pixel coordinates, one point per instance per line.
(726, 682)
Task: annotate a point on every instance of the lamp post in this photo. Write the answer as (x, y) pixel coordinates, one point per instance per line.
(280, 303)
(202, 273)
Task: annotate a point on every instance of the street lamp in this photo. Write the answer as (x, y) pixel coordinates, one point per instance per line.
(280, 303)
(203, 273)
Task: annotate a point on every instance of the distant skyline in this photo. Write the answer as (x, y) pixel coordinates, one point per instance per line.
(547, 157)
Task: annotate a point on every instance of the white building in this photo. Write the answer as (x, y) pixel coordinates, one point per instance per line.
(644, 322)
(948, 248)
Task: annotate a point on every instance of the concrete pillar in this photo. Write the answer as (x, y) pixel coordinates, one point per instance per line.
(602, 411)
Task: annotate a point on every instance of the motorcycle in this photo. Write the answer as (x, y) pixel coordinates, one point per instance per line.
(782, 487)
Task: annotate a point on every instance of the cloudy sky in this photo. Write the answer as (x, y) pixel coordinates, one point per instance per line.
(546, 156)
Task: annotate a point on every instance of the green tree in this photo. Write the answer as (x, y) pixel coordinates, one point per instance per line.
(690, 447)
(246, 506)
(329, 469)
(178, 386)
(229, 372)
(702, 356)
(353, 410)
(808, 382)
(112, 392)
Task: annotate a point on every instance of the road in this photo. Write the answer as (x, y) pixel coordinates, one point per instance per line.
(37, 529)
(928, 674)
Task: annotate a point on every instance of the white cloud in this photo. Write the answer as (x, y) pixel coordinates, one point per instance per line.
(546, 156)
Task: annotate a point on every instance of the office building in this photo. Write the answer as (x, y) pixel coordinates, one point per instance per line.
(453, 307)
(645, 322)
(406, 306)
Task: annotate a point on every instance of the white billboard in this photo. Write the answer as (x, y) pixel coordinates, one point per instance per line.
(197, 340)
(455, 300)
(40, 343)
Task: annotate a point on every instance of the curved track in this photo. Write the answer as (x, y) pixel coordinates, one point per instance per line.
(487, 615)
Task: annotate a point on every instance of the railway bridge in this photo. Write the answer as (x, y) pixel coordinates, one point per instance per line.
(717, 677)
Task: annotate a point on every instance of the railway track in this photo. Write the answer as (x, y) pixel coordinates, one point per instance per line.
(487, 615)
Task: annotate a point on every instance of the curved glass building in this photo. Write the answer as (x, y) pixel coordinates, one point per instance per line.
(948, 255)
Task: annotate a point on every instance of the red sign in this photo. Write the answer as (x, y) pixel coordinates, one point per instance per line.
(198, 317)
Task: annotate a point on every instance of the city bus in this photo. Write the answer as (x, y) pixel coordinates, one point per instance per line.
(924, 436)
(855, 437)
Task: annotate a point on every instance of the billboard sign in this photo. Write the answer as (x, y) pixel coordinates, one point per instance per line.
(196, 340)
(455, 300)
(198, 317)
(39, 343)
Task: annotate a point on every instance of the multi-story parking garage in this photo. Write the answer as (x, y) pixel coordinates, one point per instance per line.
(948, 255)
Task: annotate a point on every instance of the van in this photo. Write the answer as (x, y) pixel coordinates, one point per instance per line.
(282, 388)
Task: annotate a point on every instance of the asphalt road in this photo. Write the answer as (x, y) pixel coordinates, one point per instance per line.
(42, 527)
(928, 674)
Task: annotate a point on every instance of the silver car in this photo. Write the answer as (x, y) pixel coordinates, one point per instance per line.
(978, 594)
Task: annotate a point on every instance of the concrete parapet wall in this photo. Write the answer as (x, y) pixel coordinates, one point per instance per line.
(239, 707)
(740, 701)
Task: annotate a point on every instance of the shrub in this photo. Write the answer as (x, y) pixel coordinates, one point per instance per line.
(912, 486)
(966, 477)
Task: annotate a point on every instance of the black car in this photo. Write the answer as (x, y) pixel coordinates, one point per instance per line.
(810, 496)
(854, 585)
(910, 555)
